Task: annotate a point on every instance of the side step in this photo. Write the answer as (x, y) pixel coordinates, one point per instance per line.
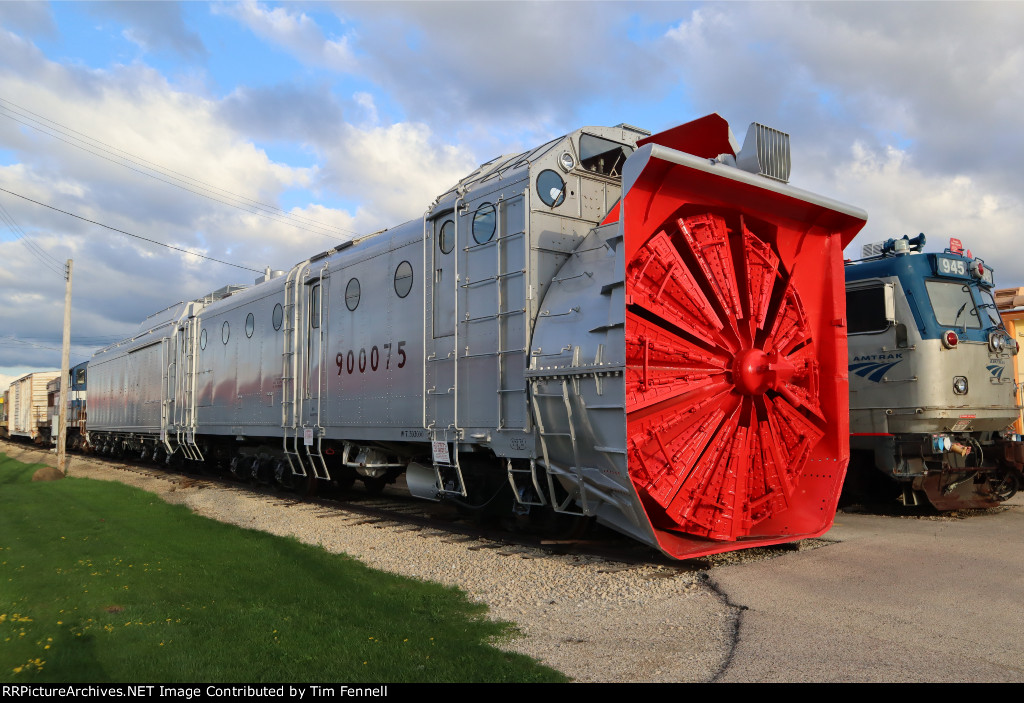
(446, 465)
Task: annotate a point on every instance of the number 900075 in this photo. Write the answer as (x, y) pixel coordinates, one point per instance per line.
(374, 359)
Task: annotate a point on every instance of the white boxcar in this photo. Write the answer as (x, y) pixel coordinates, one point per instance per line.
(27, 398)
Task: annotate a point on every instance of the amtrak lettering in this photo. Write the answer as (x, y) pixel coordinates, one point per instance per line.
(874, 366)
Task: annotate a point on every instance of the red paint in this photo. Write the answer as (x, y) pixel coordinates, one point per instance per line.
(736, 396)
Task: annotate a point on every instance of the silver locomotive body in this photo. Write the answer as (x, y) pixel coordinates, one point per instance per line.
(483, 350)
(932, 390)
(362, 357)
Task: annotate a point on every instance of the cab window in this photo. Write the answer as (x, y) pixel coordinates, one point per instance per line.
(865, 310)
(603, 156)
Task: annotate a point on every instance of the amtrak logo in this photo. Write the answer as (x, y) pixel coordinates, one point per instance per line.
(872, 370)
(996, 370)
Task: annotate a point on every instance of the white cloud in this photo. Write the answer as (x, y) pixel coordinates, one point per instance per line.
(910, 111)
(397, 170)
(389, 173)
(152, 26)
(294, 32)
(31, 17)
(907, 200)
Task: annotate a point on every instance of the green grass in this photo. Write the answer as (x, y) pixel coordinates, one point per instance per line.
(100, 582)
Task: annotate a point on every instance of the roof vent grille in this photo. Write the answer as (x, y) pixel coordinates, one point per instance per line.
(766, 152)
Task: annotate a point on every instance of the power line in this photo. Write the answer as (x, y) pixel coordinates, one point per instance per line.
(7, 340)
(37, 251)
(248, 204)
(121, 231)
(81, 341)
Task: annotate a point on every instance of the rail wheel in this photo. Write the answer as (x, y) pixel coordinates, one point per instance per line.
(1005, 485)
(283, 477)
(722, 404)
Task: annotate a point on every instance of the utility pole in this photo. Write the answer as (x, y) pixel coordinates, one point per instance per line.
(65, 386)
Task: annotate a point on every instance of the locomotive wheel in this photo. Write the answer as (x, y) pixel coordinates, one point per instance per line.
(283, 477)
(1005, 485)
(721, 380)
(345, 481)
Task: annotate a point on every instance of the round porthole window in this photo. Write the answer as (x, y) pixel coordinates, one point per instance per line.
(202, 339)
(551, 188)
(403, 279)
(483, 223)
(278, 316)
(352, 294)
(250, 325)
(446, 240)
(225, 332)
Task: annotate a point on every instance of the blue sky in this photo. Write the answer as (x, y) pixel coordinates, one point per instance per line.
(353, 116)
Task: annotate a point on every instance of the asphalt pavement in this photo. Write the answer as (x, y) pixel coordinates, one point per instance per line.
(891, 599)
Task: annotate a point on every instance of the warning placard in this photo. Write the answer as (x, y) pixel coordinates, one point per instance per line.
(440, 451)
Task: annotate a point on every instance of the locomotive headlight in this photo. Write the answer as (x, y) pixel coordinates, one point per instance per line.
(566, 161)
(950, 339)
(996, 342)
(960, 385)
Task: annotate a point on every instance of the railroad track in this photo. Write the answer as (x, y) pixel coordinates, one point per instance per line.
(398, 512)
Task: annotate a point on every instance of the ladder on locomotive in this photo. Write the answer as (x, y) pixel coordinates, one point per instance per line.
(546, 435)
(185, 383)
(447, 471)
(291, 399)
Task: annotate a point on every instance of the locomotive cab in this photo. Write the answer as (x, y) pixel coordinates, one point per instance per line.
(932, 389)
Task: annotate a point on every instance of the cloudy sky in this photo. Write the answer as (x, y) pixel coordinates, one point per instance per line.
(261, 133)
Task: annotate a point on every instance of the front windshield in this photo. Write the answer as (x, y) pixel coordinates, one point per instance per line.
(953, 304)
(991, 313)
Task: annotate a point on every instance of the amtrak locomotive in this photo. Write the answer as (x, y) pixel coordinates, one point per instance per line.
(932, 392)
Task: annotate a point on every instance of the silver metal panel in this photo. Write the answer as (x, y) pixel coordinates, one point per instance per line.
(375, 352)
(577, 375)
(143, 388)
